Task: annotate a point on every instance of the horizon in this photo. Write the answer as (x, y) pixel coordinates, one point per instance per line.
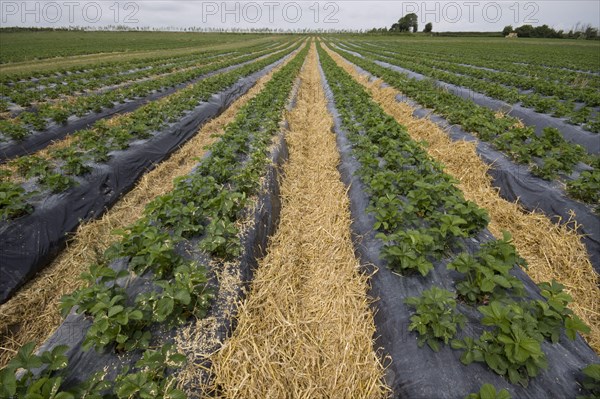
(346, 15)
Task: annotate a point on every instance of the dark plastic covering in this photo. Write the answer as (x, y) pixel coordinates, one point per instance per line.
(31, 242)
(575, 134)
(516, 182)
(39, 140)
(415, 372)
(265, 217)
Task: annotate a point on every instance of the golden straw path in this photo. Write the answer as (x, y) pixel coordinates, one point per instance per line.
(552, 251)
(305, 330)
(32, 314)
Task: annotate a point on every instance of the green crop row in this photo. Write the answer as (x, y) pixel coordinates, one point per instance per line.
(94, 145)
(37, 120)
(207, 203)
(504, 87)
(547, 155)
(537, 54)
(420, 215)
(24, 93)
(527, 75)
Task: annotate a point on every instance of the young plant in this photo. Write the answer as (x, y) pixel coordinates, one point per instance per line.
(13, 201)
(45, 383)
(407, 250)
(487, 272)
(488, 391)
(512, 347)
(152, 380)
(553, 314)
(591, 381)
(435, 318)
(185, 296)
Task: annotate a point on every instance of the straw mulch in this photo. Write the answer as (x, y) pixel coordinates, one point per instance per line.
(552, 251)
(32, 314)
(305, 330)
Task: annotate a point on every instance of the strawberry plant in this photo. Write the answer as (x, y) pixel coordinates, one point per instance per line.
(31, 166)
(487, 272)
(553, 314)
(179, 299)
(12, 130)
(13, 201)
(151, 380)
(405, 250)
(512, 348)
(33, 383)
(148, 247)
(587, 187)
(591, 381)
(435, 317)
(488, 391)
(56, 182)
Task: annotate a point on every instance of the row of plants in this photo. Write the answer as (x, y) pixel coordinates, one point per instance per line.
(499, 64)
(549, 155)
(25, 93)
(150, 378)
(420, 216)
(543, 54)
(29, 122)
(58, 171)
(504, 89)
(544, 85)
(207, 205)
(98, 68)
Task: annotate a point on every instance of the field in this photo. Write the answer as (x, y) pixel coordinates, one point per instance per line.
(273, 216)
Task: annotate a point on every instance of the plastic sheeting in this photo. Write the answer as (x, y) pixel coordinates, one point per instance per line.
(419, 372)
(265, 217)
(39, 140)
(574, 134)
(31, 242)
(516, 182)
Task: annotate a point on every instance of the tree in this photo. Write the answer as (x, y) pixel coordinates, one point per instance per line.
(524, 31)
(407, 22)
(428, 27)
(507, 29)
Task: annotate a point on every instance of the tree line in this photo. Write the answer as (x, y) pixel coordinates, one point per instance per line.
(544, 31)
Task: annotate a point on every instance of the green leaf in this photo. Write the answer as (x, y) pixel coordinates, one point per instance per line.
(64, 395)
(488, 391)
(183, 296)
(8, 388)
(25, 358)
(178, 358)
(164, 308)
(136, 315)
(487, 285)
(115, 310)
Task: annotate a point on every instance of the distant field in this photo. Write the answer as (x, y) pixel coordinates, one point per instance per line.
(23, 46)
(578, 53)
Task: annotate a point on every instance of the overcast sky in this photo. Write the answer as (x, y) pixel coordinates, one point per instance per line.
(445, 15)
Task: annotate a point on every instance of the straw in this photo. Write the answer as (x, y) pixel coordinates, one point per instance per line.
(305, 330)
(32, 313)
(552, 250)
